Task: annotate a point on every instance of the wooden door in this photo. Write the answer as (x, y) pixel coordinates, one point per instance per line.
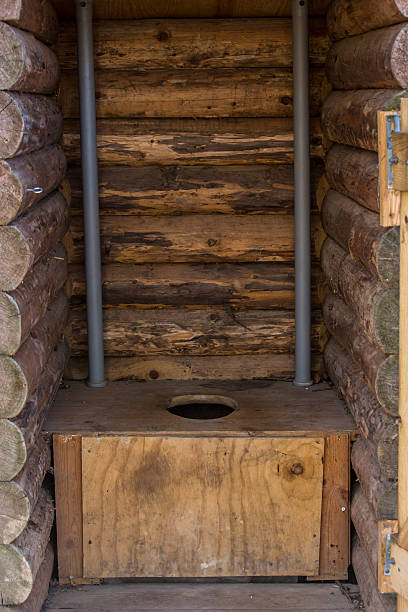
(184, 507)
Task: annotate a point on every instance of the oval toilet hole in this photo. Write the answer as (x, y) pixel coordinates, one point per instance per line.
(202, 407)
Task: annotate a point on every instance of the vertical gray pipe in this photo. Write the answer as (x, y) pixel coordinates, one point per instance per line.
(86, 75)
(300, 24)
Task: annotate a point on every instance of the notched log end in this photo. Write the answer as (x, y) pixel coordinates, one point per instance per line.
(11, 126)
(15, 257)
(13, 388)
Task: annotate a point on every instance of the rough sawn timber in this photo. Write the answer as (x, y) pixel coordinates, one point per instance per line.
(225, 141)
(354, 173)
(21, 176)
(194, 331)
(347, 18)
(265, 92)
(167, 44)
(21, 374)
(21, 309)
(19, 496)
(30, 237)
(374, 60)
(358, 231)
(20, 561)
(26, 64)
(350, 117)
(381, 372)
(28, 122)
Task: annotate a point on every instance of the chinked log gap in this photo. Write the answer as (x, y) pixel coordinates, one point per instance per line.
(90, 188)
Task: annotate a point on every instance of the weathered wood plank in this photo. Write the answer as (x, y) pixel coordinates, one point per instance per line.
(350, 117)
(370, 61)
(348, 18)
(380, 371)
(354, 173)
(191, 239)
(358, 231)
(204, 331)
(167, 44)
(26, 64)
(36, 16)
(137, 142)
(192, 93)
(228, 367)
(166, 190)
(20, 561)
(19, 496)
(240, 469)
(242, 285)
(30, 237)
(28, 122)
(26, 179)
(21, 309)
(21, 374)
(68, 495)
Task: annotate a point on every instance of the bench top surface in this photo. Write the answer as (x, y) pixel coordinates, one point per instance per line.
(136, 408)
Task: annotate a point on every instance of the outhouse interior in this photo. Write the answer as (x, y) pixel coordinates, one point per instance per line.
(199, 303)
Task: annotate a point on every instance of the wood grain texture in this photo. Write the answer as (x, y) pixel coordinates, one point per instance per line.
(28, 122)
(19, 496)
(372, 598)
(23, 308)
(128, 407)
(68, 496)
(366, 526)
(264, 92)
(38, 17)
(173, 9)
(191, 239)
(30, 237)
(198, 44)
(195, 331)
(380, 492)
(26, 64)
(209, 526)
(20, 561)
(20, 176)
(199, 597)
(20, 374)
(148, 286)
(380, 371)
(390, 199)
(138, 142)
(358, 231)
(354, 173)
(350, 117)
(160, 190)
(279, 366)
(370, 61)
(39, 592)
(350, 17)
(334, 535)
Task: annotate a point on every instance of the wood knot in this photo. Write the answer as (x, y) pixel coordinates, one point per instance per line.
(153, 374)
(297, 468)
(163, 36)
(211, 242)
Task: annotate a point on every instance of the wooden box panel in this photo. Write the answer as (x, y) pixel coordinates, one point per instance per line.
(187, 506)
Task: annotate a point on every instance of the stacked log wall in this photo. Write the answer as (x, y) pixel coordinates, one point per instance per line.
(366, 66)
(34, 216)
(195, 148)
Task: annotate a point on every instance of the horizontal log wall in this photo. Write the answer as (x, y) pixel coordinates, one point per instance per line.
(366, 66)
(34, 218)
(195, 146)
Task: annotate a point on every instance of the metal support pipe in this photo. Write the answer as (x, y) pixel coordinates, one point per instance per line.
(83, 9)
(300, 25)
